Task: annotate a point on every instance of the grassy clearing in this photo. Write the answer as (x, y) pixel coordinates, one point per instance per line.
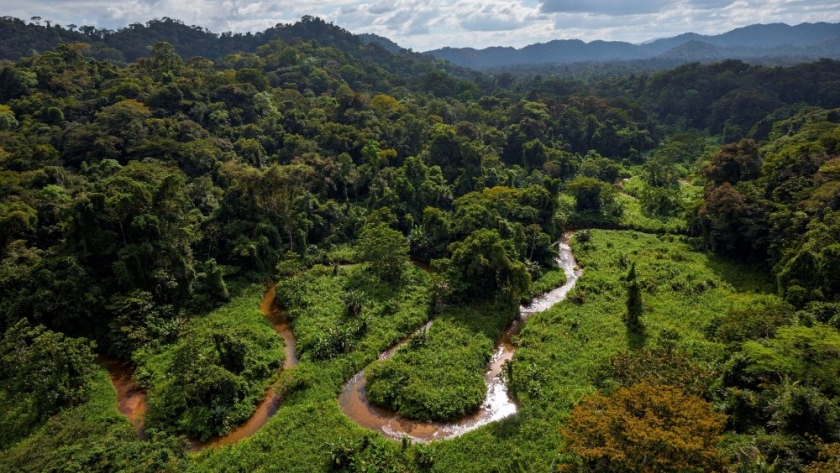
(632, 217)
(683, 292)
(213, 378)
(635, 218)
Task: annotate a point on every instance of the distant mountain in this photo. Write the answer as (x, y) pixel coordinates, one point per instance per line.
(778, 40)
(387, 44)
(19, 39)
(774, 43)
(694, 50)
(777, 34)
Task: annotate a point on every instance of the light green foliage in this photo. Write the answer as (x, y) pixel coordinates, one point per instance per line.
(803, 353)
(786, 386)
(325, 329)
(212, 378)
(562, 351)
(385, 250)
(313, 429)
(684, 292)
(546, 281)
(439, 375)
(7, 118)
(657, 210)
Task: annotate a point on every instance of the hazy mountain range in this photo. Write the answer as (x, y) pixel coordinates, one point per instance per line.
(776, 43)
(805, 41)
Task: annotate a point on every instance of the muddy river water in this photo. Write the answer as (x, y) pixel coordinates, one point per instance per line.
(268, 406)
(133, 403)
(497, 404)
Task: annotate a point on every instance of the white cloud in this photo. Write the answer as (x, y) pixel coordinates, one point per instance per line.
(430, 24)
(605, 7)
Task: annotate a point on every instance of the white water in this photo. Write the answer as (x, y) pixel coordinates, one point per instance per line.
(497, 403)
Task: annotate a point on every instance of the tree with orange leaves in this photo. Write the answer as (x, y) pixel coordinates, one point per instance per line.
(644, 428)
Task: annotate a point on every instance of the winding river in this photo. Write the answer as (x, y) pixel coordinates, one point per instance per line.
(131, 400)
(133, 403)
(268, 406)
(497, 403)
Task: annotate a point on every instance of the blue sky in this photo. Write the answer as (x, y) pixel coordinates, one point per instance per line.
(429, 24)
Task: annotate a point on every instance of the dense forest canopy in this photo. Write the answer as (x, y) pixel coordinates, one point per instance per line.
(148, 189)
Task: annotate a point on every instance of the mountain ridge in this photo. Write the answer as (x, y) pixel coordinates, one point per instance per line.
(777, 40)
(771, 43)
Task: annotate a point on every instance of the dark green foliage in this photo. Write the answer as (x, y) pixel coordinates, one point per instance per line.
(786, 386)
(210, 288)
(95, 437)
(139, 322)
(635, 309)
(139, 203)
(482, 264)
(778, 203)
(41, 372)
(595, 201)
(759, 321)
(658, 366)
(735, 162)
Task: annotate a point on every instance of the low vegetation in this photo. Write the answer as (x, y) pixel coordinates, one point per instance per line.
(439, 374)
(94, 436)
(213, 378)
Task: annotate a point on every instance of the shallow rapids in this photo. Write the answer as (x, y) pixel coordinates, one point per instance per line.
(497, 403)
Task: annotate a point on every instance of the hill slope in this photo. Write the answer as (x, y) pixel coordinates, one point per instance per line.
(804, 41)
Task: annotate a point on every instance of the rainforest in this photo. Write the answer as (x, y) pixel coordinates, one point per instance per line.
(299, 251)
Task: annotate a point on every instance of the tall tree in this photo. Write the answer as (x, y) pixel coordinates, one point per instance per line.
(633, 316)
(644, 429)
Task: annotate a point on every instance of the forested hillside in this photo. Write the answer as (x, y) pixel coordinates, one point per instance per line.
(146, 207)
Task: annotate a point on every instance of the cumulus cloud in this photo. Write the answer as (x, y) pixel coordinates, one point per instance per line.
(430, 24)
(608, 7)
(495, 16)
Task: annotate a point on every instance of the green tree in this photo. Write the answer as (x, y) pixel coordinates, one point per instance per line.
(633, 316)
(44, 369)
(484, 263)
(735, 162)
(594, 197)
(385, 250)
